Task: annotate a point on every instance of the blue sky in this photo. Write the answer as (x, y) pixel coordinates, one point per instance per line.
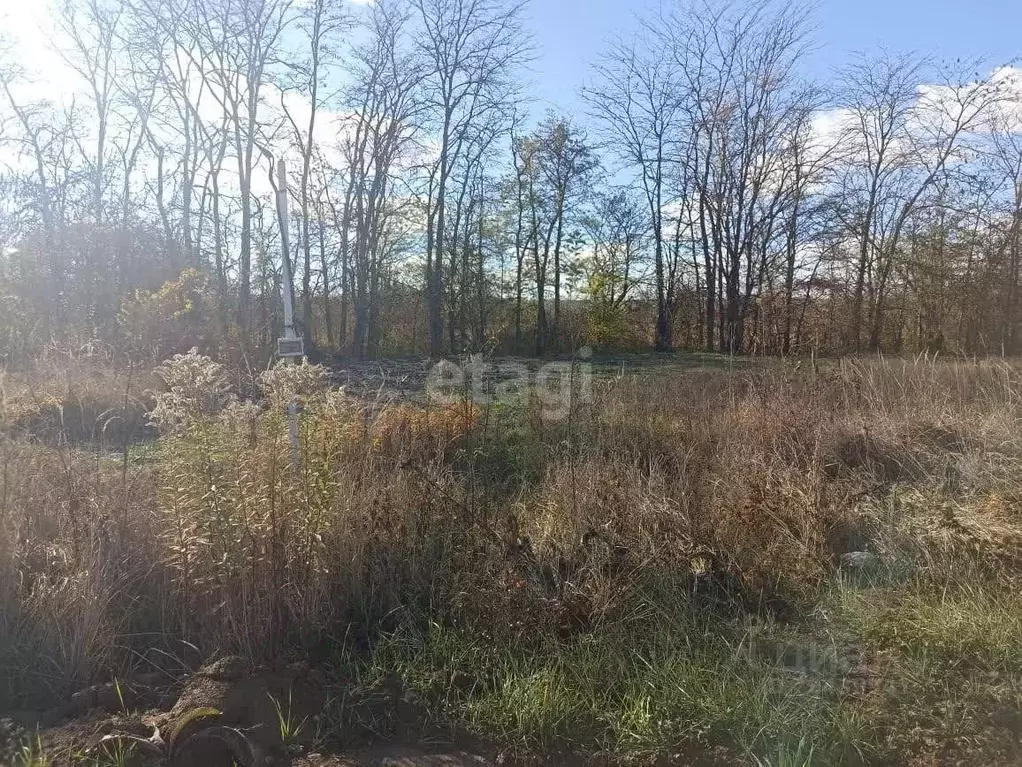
(570, 34)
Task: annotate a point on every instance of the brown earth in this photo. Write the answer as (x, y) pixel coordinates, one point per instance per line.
(183, 728)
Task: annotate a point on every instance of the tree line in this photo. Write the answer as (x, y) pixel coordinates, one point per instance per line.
(707, 195)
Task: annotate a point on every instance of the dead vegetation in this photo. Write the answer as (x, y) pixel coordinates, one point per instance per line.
(546, 585)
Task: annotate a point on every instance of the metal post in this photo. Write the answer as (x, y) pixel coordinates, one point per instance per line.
(291, 345)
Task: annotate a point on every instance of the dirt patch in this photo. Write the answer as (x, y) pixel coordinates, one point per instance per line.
(397, 756)
(227, 713)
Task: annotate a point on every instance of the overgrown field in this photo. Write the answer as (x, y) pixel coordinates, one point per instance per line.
(657, 577)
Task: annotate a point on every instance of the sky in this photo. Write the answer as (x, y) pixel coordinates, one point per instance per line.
(570, 36)
(571, 33)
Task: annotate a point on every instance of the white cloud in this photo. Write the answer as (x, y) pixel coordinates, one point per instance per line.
(827, 128)
(940, 101)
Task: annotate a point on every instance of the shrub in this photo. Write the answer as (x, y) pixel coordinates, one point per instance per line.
(286, 381)
(197, 387)
(167, 320)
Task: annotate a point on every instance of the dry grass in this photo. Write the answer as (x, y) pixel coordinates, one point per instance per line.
(77, 399)
(671, 515)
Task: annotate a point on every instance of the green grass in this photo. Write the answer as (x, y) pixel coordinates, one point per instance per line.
(948, 662)
(635, 691)
(32, 755)
(973, 628)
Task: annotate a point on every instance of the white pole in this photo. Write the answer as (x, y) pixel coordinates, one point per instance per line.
(289, 300)
(289, 294)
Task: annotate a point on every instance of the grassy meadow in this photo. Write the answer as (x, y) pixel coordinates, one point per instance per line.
(661, 576)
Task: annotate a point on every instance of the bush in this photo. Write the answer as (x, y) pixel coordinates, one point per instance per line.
(167, 320)
(197, 387)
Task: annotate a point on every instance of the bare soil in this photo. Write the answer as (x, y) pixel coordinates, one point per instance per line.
(254, 701)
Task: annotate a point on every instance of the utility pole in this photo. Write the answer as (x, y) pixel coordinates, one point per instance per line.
(291, 345)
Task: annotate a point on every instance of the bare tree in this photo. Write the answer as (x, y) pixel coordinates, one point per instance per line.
(321, 23)
(472, 48)
(232, 44)
(384, 99)
(43, 133)
(1006, 158)
(637, 107)
(901, 141)
(567, 163)
(744, 103)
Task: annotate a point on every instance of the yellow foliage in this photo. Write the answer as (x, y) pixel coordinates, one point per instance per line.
(168, 319)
